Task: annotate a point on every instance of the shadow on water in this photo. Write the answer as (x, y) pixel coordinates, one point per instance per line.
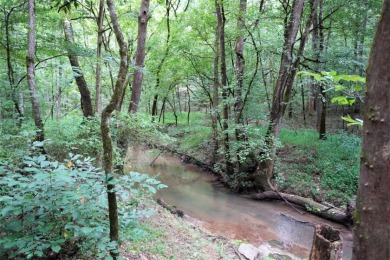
(200, 196)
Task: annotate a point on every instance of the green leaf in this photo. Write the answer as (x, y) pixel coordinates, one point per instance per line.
(339, 87)
(340, 100)
(56, 248)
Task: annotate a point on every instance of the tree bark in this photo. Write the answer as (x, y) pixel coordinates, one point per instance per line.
(264, 169)
(10, 70)
(98, 86)
(327, 244)
(86, 103)
(40, 135)
(225, 109)
(105, 125)
(160, 65)
(59, 92)
(371, 218)
(143, 18)
(240, 68)
(214, 109)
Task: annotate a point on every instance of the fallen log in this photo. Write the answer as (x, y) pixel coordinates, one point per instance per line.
(170, 208)
(327, 244)
(311, 206)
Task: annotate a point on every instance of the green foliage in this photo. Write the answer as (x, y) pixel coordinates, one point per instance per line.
(350, 86)
(14, 141)
(49, 207)
(324, 170)
(136, 128)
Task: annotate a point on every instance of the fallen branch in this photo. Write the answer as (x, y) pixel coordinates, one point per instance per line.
(289, 202)
(310, 205)
(156, 158)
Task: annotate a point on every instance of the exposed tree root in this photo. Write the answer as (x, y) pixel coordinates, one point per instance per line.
(170, 208)
(311, 206)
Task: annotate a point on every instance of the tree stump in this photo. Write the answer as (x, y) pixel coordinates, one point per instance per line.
(327, 244)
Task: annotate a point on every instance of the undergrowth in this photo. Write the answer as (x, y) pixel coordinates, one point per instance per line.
(325, 170)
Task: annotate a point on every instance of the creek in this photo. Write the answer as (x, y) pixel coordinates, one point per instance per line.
(201, 196)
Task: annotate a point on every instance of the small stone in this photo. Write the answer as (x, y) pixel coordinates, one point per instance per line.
(249, 251)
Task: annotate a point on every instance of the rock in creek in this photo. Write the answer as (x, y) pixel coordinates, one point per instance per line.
(265, 251)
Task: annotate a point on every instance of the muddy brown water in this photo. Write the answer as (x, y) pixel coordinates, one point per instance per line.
(201, 196)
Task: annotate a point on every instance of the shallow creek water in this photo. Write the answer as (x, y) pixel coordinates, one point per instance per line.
(200, 196)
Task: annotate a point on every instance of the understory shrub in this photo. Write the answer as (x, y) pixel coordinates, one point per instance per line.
(48, 208)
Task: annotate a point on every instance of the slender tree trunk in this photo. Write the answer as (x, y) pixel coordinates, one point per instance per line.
(225, 109)
(59, 92)
(105, 125)
(86, 103)
(322, 113)
(264, 169)
(21, 102)
(10, 70)
(214, 110)
(160, 65)
(189, 105)
(240, 67)
(98, 86)
(319, 89)
(371, 218)
(40, 135)
(143, 18)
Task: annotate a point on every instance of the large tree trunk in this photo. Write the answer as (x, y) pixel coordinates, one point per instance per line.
(40, 135)
(143, 18)
(105, 124)
(86, 103)
(98, 86)
(264, 170)
(372, 229)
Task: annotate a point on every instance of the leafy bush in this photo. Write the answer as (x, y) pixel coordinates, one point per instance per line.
(52, 208)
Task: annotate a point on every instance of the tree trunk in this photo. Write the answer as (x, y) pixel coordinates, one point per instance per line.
(189, 105)
(143, 18)
(40, 135)
(59, 93)
(240, 67)
(160, 65)
(86, 103)
(214, 110)
(10, 70)
(327, 244)
(318, 209)
(225, 109)
(98, 86)
(322, 113)
(105, 125)
(371, 218)
(264, 170)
